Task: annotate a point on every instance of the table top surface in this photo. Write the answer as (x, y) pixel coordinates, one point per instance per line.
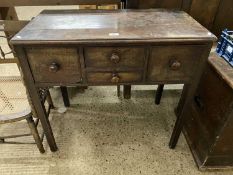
(107, 25)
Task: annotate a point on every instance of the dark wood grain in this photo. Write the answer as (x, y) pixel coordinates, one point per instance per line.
(101, 26)
(224, 17)
(222, 67)
(66, 60)
(162, 58)
(204, 11)
(151, 46)
(12, 3)
(102, 57)
(168, 4)
(209, 127)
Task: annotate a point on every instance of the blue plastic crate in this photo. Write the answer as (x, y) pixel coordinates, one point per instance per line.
(225, 46)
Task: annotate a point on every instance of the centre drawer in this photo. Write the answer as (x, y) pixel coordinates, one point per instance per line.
(124, 57)
(55, 65)
(114, 78)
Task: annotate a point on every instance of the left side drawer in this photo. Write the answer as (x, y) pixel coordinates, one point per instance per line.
(54, 65)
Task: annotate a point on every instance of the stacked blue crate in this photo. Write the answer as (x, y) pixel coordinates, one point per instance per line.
(225, 46)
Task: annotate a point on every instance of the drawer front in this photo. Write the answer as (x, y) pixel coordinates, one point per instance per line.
(174, 63)
(100, 57)
(114, 78)
(55, 65)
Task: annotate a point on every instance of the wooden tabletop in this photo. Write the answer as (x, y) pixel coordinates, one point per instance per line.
(222, 67)
(99, 25)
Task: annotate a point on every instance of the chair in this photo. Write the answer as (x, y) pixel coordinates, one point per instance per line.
(14, 106)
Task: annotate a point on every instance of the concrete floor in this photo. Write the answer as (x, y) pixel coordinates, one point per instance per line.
(104, 134)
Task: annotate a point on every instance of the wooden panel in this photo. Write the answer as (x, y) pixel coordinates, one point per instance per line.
(224, 17)
(222, 68)
(107, 78)
(208, 130)
(11, 3)
(186, 5)
(170, 4)
(143, 26)
(214, 99)
(163, 59)
(102, 57)
(64, 61)
(204, 11)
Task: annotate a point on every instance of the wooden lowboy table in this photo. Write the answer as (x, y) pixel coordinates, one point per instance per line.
(124, 47)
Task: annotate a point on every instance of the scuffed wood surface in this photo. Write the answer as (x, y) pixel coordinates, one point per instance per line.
(141, 25)
(222, 67)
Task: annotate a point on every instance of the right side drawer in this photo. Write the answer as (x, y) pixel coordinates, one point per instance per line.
(174, 62)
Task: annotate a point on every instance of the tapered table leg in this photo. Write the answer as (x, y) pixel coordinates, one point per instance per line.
(65, 96)
(159, 93)
(127, 91)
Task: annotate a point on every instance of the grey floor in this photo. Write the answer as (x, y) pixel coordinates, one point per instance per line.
(103, 134)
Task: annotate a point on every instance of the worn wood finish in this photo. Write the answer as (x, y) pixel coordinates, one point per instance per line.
(127, 91)
(114, 26)
(65, 96)
(209, 127)
(159, 93)
(168, 4)
(35, 97)
(174, 62)
(49, 63)
(140, 37)
(114, 77)
(35, 134)
(12, 3)
(215, 15)
(102, 57)
(224, 17)
(145, 4)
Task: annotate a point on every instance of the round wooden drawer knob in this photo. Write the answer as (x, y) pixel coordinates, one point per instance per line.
(115, 78)
(175, 65)
(54, 67)
(115, 58)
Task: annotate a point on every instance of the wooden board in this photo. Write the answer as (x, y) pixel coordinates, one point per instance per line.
(204, 11)
(81, 26)
(222, 68)
(224, 17)
(11, 3)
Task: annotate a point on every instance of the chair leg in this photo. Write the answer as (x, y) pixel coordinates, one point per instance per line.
(127, 91)
(118, 90)
(65, 96)
(159, 93)
(35, 134)
(49, 100)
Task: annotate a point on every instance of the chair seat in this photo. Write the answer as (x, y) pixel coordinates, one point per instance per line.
(14, 104)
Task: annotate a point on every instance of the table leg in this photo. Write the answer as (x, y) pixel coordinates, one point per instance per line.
(187, 97)
(34, 94)
(159, 93)
(65, 96)
(180, 105)
(127, 91)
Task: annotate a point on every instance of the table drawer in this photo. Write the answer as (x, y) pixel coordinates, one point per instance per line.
(114, 78)
(99, 57)
(174, 63)
(55, 65)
